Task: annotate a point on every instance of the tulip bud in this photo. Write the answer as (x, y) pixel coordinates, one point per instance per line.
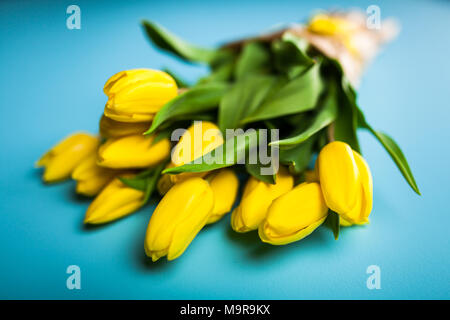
(113, 129)
(346, 182)
(62, 159)
(136, 151)
(90, 177)
(115, 201)
(294, 215)
(177, 219)
(225, 186)
(137, 95)
(199, 139)
(256, 199)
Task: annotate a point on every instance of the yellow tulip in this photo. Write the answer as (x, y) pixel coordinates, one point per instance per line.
(199, 139)
(346, 182)
(177, 219)
(115, 201)
(225, 186)
(62, 159)
(256, 199)
(137, 95)
(294, 215)
(90, 177)
(136, 151)
(113, 129)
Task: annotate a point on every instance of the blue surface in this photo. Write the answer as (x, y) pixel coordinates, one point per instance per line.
(51, 85)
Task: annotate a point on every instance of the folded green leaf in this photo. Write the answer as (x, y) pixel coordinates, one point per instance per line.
(254, 59)
(171, 43)
(145, 181)
(220, 73)
(244, 97)
(234, 150)
(346, 122)
(298, 157)
(297, 95)
(387, 142)
(325, 115)
(197, 99)
(255, 171)
(290, 55)
(333, 223)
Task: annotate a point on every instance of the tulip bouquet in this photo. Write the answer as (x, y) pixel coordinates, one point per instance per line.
(297, 82)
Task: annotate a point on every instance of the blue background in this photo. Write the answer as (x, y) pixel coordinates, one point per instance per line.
(51, 83)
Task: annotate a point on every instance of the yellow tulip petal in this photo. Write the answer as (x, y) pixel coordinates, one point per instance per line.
(225, 186)
(136, 95)
(62, 159)
(179, 216)
(256, 199)
(115, 201)
(339, 176)
(294, 215)
(135, 151)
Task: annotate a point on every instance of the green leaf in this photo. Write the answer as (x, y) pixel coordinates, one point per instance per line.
(386, 141)
(255, 171)
(254, 59)
(221, 73)
(231, 152)
(145, 181)
(397, 156)
(244, 97)
(290, 55)
(326, 115)
(346, 122)
(299, 157)
(297, 95)
(199, 98)
(171, 43)
(333, 223)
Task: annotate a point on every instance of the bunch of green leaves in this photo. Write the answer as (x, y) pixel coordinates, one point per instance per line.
(282, 83)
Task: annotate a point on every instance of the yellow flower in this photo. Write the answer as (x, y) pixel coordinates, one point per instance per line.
(294, 215)
(225, 186)
(256, 199)
(62, 159)
(346, 182)
(137, 95)
(116, 200)
(113, 129)
(90, 177)
(136, 151)
(177, 219)
(199, 139)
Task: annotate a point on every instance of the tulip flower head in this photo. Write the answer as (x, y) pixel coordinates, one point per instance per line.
(135, 151)
(225, 186)
(90, 177)
(177, 219)
(137, 95)
(256, 199)
(346, 182)
(199, 139)
(115, 201)
(63, 158)
(294, 215)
